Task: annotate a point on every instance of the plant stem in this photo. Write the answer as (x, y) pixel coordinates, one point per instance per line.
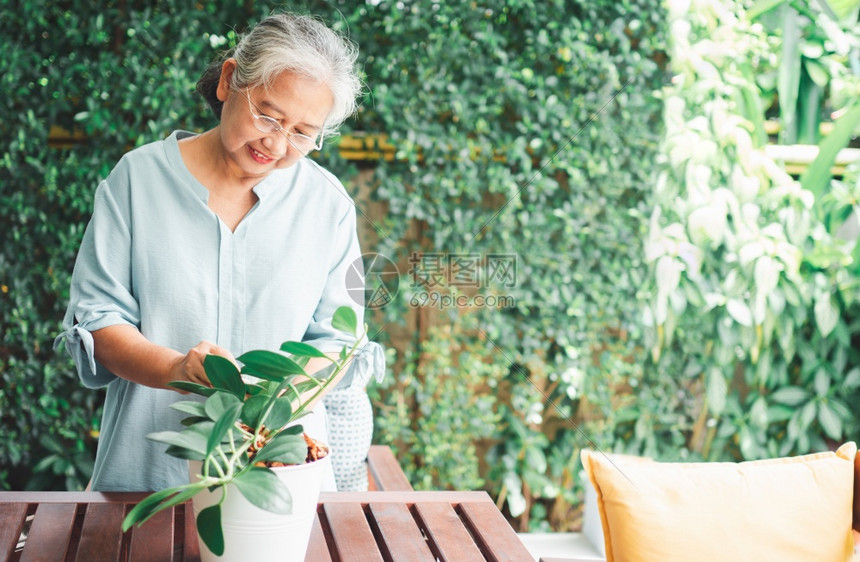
(227, 461)
(217, 466)
(339, 367)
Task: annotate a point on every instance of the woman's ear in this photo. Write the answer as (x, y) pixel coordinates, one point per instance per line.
(227, 69)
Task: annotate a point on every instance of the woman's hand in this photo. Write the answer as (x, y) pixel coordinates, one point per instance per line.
(190, 366)
(124, 351)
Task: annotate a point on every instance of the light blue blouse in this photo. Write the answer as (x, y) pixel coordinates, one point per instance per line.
(155, 256)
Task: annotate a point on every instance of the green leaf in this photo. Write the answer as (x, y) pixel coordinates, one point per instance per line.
(192, 387)
(826, 313)
(202, 428)
(185, 453)
(817, 176)
(789, 74)
(817, 71)
(301, 349)
(779, 413)
(758, 413)
(844, 10)
(266, 376)
(740, 312)
(761, 7)
(535, 459)
(215, 462)
(716, 390)
(253, 408)
(270, 363)
(821, 383)
(223, 374)
(830, 422)
(749, 447)
(189, 421)
(155, 502)
(852, 379)
(187, 440)
(840, 409)
(826, 9)
(309, 384)
(255, 389)
(285, 448)
(345, 320)
(189, 407)
(807, 415)
(218, 403)
(753, 110)
(46, 463)
(209, 528)
(184, 493)
(145, 508)
(222, 426)
(261, 487)
(280, 414)
(790, 396)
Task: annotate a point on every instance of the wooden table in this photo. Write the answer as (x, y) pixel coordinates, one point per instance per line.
(363, 526)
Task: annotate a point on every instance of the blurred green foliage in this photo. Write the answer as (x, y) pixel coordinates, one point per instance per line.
(531, 129)
(753, 310)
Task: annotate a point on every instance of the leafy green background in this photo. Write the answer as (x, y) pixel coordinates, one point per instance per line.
(530, 128)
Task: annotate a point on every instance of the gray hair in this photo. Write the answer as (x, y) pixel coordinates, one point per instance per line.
(292, 43)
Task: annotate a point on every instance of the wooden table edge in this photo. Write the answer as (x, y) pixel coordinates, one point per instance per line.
(408, 497)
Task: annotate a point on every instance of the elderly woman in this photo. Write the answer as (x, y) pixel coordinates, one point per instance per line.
(217, 243)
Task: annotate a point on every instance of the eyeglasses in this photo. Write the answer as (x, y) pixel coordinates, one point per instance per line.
(265, 124)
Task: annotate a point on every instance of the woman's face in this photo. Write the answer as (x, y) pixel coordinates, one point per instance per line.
(297, 103)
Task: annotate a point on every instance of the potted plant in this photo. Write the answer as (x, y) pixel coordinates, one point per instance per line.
(243, 450)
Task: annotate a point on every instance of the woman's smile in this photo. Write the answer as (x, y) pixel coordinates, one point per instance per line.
(258, 156)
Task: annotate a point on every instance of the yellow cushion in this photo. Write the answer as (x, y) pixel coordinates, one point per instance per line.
(779, 509)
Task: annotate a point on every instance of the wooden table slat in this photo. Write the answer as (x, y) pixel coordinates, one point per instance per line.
(400, 533)
(317, 548)
(42, 497)
(385, 469)
(12, 517)
(446, 532)
(101, 536)
(351, 534)
(407, 497)
(190, 543)
(154, 539)
(50, 532)
(496, 538)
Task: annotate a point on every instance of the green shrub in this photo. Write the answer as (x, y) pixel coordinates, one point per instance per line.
(527, 129)
(753, 310)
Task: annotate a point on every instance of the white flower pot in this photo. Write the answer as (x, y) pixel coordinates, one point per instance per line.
(254, 533)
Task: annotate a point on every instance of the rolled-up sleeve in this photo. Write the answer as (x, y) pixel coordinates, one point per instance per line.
(101, 291)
